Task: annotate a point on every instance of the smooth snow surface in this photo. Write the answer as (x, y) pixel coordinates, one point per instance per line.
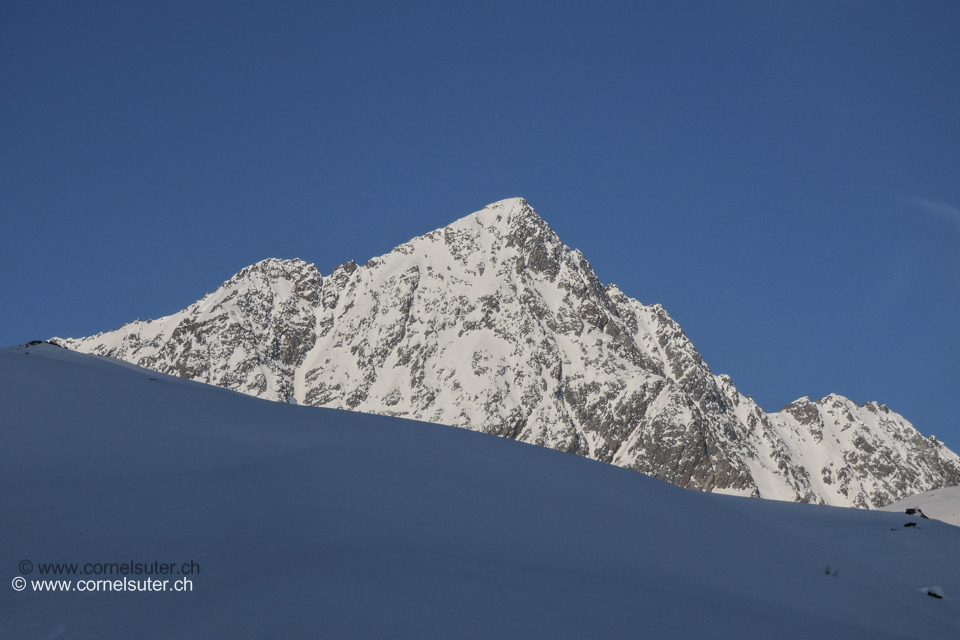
(320, 523)
(940, 504)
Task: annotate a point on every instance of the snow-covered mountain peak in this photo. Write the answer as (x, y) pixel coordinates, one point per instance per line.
(505, 231)
(274, 269)
(492, 323)
(283, 278)
(803, 409)
(504, 217)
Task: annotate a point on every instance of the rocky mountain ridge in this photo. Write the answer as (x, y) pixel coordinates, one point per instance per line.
(493, 324)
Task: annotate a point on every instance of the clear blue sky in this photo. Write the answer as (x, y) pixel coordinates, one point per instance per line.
(783, 178)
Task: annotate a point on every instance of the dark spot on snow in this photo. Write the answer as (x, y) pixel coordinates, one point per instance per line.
(34, 343)
(934, 595)
(910, 524)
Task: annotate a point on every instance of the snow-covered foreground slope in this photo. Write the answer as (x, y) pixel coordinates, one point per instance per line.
(941, 504)
(495, 325)
(321, 523)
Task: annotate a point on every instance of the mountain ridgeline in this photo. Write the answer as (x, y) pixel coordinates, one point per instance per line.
(493, 324)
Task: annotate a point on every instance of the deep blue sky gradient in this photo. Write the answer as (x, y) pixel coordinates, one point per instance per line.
(785, 180)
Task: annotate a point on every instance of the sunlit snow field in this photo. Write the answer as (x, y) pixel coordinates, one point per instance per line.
(941, 504)
(309, 522)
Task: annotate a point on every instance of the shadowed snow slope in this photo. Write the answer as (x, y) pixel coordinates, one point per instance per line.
(941, 504)
(310, 522)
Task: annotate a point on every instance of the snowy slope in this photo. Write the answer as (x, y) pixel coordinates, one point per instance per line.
(321, 523)
(495, 325)
(940, 504)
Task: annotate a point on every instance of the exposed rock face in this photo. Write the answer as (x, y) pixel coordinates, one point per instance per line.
(250, 335)
(493, 324)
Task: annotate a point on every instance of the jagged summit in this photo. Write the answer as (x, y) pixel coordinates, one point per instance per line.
(509, 227)
(505, 216)
(493, 324)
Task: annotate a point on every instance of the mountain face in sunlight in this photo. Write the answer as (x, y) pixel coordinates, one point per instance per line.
(493, 324)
